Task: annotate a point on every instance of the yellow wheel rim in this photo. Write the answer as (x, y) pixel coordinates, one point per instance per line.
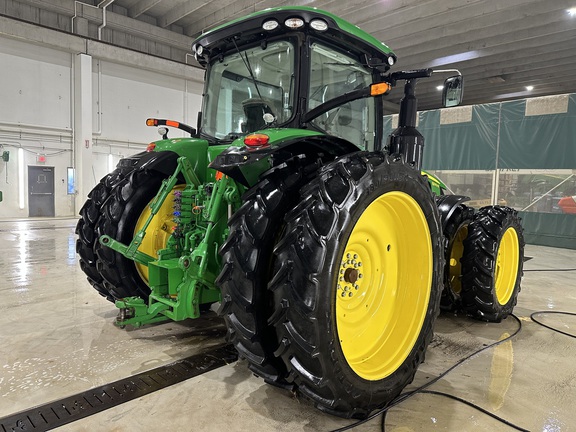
(456, 253)
(384, 285)
(158, 232)
(506, 270)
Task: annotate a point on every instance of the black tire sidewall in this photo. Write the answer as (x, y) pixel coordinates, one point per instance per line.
(86, 229)
(123, 277)
(485, 234)
(506, 309)
(450, 299)
(385, 178)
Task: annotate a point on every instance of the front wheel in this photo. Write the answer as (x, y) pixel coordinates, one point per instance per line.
(492, 263)
(357, 283)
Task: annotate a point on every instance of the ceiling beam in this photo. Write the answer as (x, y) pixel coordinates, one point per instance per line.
(450, 55)
(115, 21)
(533, 31)
(189, 7)
(478, 25)
(142, 7)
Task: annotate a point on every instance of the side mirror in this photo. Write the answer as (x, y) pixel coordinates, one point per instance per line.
(453, 91)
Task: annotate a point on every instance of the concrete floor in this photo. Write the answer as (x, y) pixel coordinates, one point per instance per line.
(57, 339)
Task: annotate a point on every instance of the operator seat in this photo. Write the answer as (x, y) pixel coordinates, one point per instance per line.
(254, 110)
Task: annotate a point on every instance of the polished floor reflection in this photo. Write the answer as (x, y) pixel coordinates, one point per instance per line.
(57, 339)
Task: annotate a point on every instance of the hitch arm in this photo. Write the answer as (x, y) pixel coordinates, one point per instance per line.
(131, 251)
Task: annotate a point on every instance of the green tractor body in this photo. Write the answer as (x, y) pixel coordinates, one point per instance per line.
(326, 247)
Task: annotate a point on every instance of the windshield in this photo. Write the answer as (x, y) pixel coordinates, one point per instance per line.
(250, 90)
(332, 74)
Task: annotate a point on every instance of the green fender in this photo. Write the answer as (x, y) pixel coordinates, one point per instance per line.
(245, 163)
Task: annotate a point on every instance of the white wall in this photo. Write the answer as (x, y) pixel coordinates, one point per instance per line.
(123, 98)
(35, 86)
(37, 112)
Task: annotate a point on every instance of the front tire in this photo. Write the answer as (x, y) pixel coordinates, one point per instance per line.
(492, 264)
(357, 283)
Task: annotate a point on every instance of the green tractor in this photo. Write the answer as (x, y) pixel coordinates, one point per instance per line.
(326, 247)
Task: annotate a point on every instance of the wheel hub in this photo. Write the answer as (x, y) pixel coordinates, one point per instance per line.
(349, 280)
(351, 275)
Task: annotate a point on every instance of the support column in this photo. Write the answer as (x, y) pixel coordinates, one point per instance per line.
(83, 127)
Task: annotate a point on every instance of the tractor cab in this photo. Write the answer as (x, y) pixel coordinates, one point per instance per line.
(272, 68)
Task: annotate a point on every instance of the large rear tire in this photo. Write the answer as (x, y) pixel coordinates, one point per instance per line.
(357, 284)
(247, 265)
(86, 229)
(123, 214)
(492, 264)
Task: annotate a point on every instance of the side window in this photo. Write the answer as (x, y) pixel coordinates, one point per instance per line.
(333, 74)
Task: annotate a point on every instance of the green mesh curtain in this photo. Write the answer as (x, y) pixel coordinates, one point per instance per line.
(532, 144)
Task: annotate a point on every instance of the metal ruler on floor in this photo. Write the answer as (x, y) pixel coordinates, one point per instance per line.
(72, 408)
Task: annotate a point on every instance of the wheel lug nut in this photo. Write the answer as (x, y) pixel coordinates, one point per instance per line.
(348, 256)
(339, 287)
(355, 256)
(350, 294)
(360, 276)
(343, 294)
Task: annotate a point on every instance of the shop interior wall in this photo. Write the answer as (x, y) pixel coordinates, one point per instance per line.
(124, 97)
(519, 153)
(36, 115)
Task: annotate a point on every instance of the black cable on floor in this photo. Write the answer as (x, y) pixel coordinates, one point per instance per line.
(476, 407)
(547, 326)
(404, 396)
(401, 398)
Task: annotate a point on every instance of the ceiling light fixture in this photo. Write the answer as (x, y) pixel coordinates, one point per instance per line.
(571, 11)
(529, 88)
(440, 87)
(454, 58)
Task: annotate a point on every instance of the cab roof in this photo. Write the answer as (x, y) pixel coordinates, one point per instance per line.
(249, 29)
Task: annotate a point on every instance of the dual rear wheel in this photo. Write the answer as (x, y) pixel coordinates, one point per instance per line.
(492, 264)
(485, 256)
(348, 299)
(344, 307)
(118, 207)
